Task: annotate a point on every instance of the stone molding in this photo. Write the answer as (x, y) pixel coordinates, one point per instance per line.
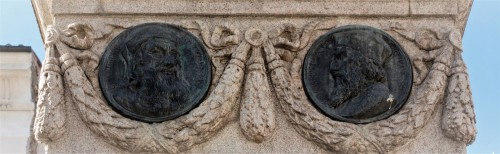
(46, 10)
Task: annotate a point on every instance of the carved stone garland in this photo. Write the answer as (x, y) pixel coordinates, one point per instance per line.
(176, 135)
(71, 63)
(385, 135)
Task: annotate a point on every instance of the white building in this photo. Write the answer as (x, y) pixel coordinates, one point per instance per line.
(19, 69)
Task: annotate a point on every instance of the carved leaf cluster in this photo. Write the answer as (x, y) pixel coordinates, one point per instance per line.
(50, 120)
(459, 120)
(257, 119)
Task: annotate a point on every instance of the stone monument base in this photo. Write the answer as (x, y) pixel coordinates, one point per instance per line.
(256, 102)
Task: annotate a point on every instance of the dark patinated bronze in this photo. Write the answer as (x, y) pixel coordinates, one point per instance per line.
(154, 72)
(357, 74)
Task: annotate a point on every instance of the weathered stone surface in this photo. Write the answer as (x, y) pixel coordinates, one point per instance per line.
(346, 7)
(433, 7)
(256, 101)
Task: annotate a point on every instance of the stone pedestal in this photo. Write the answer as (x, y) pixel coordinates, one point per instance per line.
(256, 102)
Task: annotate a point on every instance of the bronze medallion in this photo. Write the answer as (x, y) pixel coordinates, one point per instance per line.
(357, 74)
(154, 72)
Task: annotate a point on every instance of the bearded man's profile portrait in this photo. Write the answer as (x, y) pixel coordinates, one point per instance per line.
(357, 73)
(154, 72)
(357, 77)
(155, 81)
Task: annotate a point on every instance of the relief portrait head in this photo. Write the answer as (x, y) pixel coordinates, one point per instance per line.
(155, 81)
(357, 74)
(154, 72)
(357, 77)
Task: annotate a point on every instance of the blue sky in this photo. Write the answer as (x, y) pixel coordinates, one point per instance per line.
(481, 45)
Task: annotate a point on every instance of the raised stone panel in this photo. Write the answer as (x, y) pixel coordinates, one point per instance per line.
(256, 102)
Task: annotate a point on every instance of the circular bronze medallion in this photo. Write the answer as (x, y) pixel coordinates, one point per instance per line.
(357, 74)
(154, 72)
